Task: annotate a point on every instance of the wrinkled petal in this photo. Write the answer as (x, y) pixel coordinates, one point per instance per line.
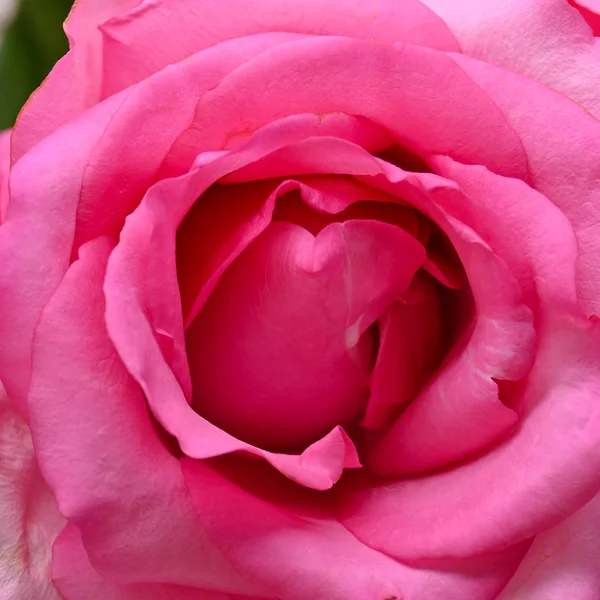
(4, 170)
(269, 541)
(75, 82)
(290, 319)
(76, 578)
(563, 562)
(131, 53)
(101, 454)
(30, 517)
(546, 40)
(562, 159)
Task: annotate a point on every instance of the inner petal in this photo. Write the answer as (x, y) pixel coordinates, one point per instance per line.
(282, 351)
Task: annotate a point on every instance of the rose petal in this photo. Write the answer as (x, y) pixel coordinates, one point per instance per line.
(590, 11)
(131, 53)
(37, 236)
(410, 345)
(274, 536)
(30, 517)
(99, 452)
(561, 158)
(145, 258)
(74, 83)
(77, 579)
(562, 562)
(516, 489)
(290, 318)
(421, 96)
(4, 170)
(546, 40)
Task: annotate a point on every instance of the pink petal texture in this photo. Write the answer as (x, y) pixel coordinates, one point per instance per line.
(295, 546)
(421, 96)
(131, 53)
(562, 562)
(561, 159)
(462, 423)
(101, 454)
(37, 236)
(76, 578)
(4, 171)
(547, 40)
(590, 11)
(30, 517)
(298, 372)
(74, 83)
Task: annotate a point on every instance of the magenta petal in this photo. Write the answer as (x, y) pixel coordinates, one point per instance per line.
(131, 53)
(145, 260)
(590, 11)
(100, 453)
(459, 412)
(563, 562)
(562, 159)
(77, 579)
(422, 97)
(4, 169)
(37, 236)
(297, 552)
(288, 318)
(411, 344)
(515, 490)
(74, 84)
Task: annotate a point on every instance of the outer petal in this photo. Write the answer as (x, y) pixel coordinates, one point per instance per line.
(563, 562)
(76, 578)
(30, 517)
(421, 96)
(4, 171)
(37, 236)
(75, 82)
(100, 453)
(291, 543)
(562, 159)
(546, 40)
(131, 53)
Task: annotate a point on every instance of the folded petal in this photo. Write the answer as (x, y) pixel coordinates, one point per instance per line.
(561, 158)
(77, 579)
(131, 53)
(546, 40)
(514, 490)
(421, 96)
(292, 544)
(290, 317)
(37, 236)
(99, 451)
(563, 562)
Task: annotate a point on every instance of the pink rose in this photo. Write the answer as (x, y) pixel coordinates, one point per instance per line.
(298, 302)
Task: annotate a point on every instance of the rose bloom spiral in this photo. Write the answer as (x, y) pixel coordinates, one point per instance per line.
(298, 302)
